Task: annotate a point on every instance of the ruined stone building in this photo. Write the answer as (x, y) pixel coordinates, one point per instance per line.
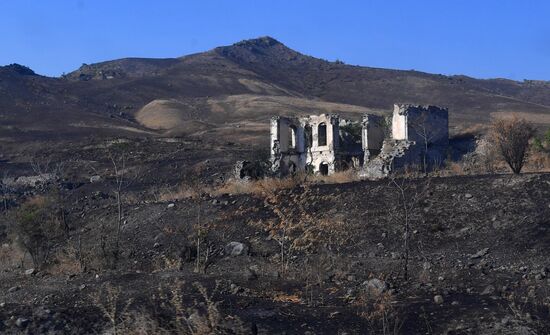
(323, 144)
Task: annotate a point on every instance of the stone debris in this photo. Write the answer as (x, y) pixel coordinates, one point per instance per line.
(480, 253)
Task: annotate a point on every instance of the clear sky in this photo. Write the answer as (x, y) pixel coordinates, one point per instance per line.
(479, 38)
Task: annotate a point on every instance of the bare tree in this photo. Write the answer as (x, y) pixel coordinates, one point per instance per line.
(407, 201)
(512, 135)
(420, 124)
(121, 181)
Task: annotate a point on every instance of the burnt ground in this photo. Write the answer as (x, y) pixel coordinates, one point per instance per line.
(478, 250)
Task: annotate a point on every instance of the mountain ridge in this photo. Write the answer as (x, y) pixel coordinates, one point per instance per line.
(238, 84)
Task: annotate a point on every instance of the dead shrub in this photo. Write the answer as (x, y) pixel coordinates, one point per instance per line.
(298, 228)
(37, 228)
(511, 137)
(108, 302)
(379, 308)
(202, 318)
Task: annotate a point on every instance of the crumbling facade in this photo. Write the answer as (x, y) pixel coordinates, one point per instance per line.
(323, 144)
(419, 139)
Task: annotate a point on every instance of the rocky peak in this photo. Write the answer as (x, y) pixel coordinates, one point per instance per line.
(18, 69)
(263, 42)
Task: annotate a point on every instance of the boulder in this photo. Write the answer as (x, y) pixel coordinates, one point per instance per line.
(95, 179)
(376, 286)
(438, 299)
(22, 322)
(235, 249)
(13, 289)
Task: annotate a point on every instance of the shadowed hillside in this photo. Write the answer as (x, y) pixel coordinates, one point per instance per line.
(238, 84)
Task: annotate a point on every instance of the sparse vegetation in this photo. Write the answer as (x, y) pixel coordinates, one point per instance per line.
(89, 245)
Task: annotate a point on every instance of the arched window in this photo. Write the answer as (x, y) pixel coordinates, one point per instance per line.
(323, 168)
(292, 137)
(322, 134)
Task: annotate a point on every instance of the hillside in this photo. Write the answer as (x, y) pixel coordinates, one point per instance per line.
(477, 262)
(235, 85)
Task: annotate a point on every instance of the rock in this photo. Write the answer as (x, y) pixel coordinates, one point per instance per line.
(438, 299)
(455, 303)
(468, 196)
(95, 179)
(376, 286)
(235, 289)
(215, 202)
(490, 289)
(2, 304)
(235, 249)
(274, 274)
(426, 265)
(171, 205)
(22, 322)
(156, 245)
(480, 253)
(14, 289)
(29, 272)
(82, 287)
(251, 274)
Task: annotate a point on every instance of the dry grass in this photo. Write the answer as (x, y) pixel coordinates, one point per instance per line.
(537, 161)
(536, 118)
(65, 263)
(342, 177)
(183, 191)
(11, 257)
(260, 186)
(475, 129)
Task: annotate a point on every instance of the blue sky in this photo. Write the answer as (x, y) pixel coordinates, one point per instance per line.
(481, 38)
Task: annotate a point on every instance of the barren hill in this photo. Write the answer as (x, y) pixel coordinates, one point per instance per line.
(232, 86)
